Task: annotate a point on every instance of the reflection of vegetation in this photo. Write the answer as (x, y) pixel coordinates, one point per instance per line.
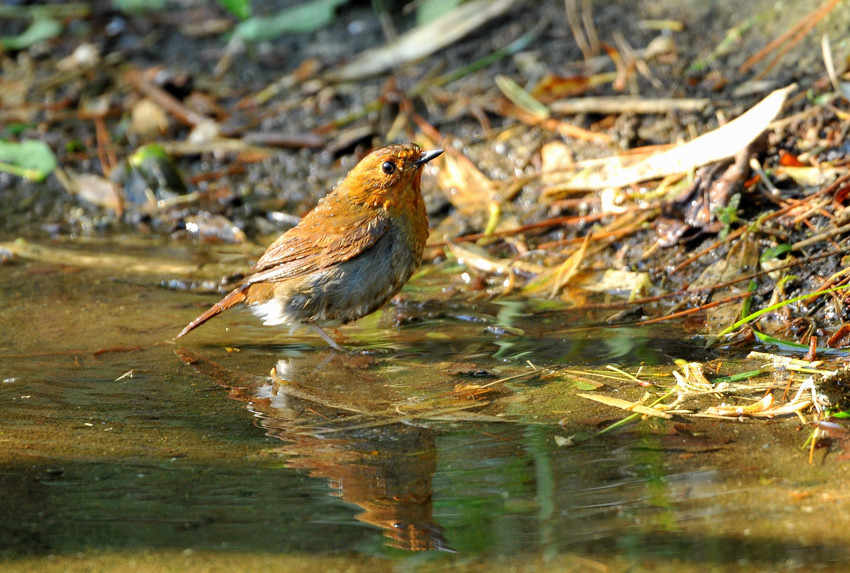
(656, 512)
(479, 499)
(650, 459)
(540, 450)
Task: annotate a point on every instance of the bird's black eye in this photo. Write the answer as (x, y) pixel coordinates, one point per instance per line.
(388, 167)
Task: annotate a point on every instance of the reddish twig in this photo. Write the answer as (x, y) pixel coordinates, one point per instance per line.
(165, 100)
(789, 39)
(696, 256)
(694, 310)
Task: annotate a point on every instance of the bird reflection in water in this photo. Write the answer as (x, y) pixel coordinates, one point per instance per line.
(384, 468)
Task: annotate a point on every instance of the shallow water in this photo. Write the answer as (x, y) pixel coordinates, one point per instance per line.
(121, 448)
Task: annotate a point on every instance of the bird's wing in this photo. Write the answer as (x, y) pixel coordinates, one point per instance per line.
(305, 249)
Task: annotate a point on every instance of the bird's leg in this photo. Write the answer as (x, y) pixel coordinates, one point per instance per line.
(318, 330)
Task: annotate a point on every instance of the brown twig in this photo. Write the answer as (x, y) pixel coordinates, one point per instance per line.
(108, 160)
(820, 237)
(164, 99)
(575, 23)
(553, 222)
(789, 39)
(694, 310)
(286, 140)
(615, 234)
(105, 151)
(627, 104)
(731, 236)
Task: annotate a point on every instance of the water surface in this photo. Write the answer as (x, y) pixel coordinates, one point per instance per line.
(119, 447)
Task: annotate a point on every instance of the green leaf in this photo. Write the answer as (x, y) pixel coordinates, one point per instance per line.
(778, 305)
(305, 18)
(587, 386)
(784, 280)
(736, 377)
(151, 151)
(786, 344)
(428, 10)
(139, 6)
(31, 159)
(17, 128)
(727, 215)
(74, 145)
(521, 98)
(748, 302)
(795, 346)
(774, 252)
(239, 8)
(42, 28)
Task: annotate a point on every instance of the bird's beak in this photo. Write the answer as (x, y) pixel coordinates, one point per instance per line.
(428, 156)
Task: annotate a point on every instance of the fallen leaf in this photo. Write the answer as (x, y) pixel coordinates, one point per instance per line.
(723, 142)
(626, 405)
(423, 40)
(569, 268)
(306, 17)
(31, 159)
(464, 185)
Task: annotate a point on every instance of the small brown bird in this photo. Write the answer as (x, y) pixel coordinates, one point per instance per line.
(346, 257)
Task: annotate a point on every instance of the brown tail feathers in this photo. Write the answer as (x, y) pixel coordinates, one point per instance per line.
(236, 296)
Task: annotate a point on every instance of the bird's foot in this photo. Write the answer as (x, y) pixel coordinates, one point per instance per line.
(333, 344)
